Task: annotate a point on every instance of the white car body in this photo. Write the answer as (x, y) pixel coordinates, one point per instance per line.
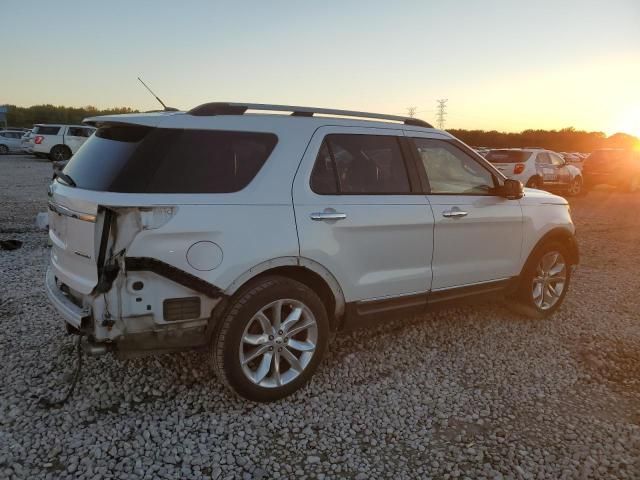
(535, 167)
(362, 250)
(10, 141)
(49, 139)
(26, 142)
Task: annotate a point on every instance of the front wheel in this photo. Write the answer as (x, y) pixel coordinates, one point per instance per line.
(575, 187)
(271, 339)
(4, 149)
(545, 280)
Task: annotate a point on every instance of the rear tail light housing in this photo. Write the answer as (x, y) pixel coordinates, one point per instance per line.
(518, 168)
(38, 139)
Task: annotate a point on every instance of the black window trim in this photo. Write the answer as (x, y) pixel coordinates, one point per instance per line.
(464, 149)
(405, 153)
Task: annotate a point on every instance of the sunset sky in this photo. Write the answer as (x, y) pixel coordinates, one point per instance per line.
(505, 65)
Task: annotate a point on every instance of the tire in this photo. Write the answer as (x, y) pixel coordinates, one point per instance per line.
(532, 305)
(534, 182)
(4, 150)
(59, 153)
(575, 188)
(245, 348)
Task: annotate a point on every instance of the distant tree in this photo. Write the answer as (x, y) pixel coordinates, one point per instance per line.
(28, 116)
(565, 140)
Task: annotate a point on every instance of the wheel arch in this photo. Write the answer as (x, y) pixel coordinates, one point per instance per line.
(303, 270)
(562, 235)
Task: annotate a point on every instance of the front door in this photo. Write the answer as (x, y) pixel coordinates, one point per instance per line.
(478, 234)
(361, 214)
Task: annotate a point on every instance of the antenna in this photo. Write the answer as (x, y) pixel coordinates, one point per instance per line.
(166, 109)
(442, 112)
(411, 111)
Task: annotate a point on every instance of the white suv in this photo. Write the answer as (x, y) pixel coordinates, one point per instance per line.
(59, 142)
(538, 168)
(259, 234)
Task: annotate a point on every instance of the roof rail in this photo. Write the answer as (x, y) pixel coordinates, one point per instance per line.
(228, 108)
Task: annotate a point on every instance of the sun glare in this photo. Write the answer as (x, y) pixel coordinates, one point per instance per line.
(629, 121)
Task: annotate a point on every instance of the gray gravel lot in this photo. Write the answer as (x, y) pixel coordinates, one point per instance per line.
(469, 393)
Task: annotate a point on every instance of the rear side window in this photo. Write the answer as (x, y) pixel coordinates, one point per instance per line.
(46, 130)
(360, 164)
(507, 156)
(133, 159)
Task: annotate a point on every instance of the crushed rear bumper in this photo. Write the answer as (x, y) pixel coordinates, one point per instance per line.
(72, 313)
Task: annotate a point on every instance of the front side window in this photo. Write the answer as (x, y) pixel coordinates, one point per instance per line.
(75, 131)
(556, 160)
(450, 170)
(136, 159)
(543, 159)
(360, 164)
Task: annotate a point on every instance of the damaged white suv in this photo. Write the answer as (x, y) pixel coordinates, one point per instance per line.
(258, 234)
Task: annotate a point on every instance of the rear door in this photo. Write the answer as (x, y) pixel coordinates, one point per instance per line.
(360, 213)
(74, 138)
(477, 234)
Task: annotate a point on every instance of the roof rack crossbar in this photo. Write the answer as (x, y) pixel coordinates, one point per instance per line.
(230, 108)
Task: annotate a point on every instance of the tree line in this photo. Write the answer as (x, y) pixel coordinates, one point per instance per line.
(26, 117)
(564, 140)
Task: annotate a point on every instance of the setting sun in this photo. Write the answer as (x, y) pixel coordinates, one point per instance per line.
(628, 121)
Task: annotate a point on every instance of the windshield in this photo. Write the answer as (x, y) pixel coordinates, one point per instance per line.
(508, 156)
(138, 159)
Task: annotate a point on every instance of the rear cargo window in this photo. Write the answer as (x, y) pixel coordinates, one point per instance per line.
(133, 159)
(43, 130)
(507, 156)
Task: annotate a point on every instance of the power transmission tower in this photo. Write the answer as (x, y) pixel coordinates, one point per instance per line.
(442, 112)
(411, 111)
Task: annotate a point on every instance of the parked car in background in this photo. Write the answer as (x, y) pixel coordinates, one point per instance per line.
(537, 168)
(59, 142)
(257, 235)
(573, 159)
(10, 141)
(613, 166)
(26, 143)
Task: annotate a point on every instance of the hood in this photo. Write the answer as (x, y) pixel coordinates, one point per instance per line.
(540, 197)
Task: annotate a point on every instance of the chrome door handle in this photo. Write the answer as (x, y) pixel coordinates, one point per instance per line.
(328, 216)
(454, 213)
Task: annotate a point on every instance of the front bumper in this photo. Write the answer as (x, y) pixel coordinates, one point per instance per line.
(72, 313)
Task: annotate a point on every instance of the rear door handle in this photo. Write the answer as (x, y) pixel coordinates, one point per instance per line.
(454, 213)
(319, 216)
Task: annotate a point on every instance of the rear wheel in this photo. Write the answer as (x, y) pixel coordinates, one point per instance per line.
(545, 280)
(59, 153)
(4, 149)
(575, 187)
(535, 182)
(271, 339)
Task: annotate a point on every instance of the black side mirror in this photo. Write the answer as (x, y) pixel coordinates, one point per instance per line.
(512, 189)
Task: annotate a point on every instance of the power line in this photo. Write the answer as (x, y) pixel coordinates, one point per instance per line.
(442, 112)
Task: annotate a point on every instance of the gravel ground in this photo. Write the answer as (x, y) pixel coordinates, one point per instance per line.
(468, 393)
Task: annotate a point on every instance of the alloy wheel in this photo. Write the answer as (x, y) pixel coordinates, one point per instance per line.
(575, 186)
(549, 280)
(278, 343)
